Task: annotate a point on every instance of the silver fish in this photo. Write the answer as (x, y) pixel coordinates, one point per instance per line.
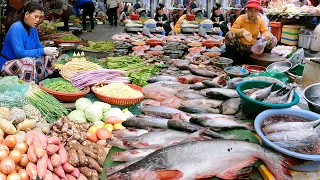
(113, 141)
(310, 146)
(296, 135)
(290, 126)
(113, 169)
(190, 95)
(124, 133)
(145, 122)
(291, 95)
(195, 110)
(204, 159)
(199, 86)
(131, 155)
(221, 93)
(262, 93)
(278, 99)
(204, 103)
(205, 73)
(232, 84)
(231, 106)
(160, 111)
(162, 78)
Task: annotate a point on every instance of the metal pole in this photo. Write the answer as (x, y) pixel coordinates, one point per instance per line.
(152, 9)
(209, 5)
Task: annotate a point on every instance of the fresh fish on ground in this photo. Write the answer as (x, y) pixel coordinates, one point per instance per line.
(204, 103)
(191, 79)
(182, 64)
(113, 141)
(224, 159)
(160, 139)
(178, 87)
(162, 78)
(290, 126)
(160, 111)
(310, 146)
(221, 122)
(144, 122)
(216, 82)
(230, 106)
(197, 110)
(181, 125)
(124, 133)
(221, 93)
(114, 169)
(131, 155)
(173, 102)
(189, 95)
(262, 94)
(199, 86)
(158, 92)
(204, 73)
(150, 102)
(232, 83)
(295, 135)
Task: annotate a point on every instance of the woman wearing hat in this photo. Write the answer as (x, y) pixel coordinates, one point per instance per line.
(142, 14)
(245, 31)
(177, 27)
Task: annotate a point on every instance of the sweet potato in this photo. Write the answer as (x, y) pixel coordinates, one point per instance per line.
(48, 176)
(82, 177)
(63, 154)
(75, 172)
(50, 167)
(42, 165)
(31, 170)
(55, 177)
(38, 149)
(60, 172)
(67, 167)
(69, 177)
(94, 164)
(86, 171)
(54, 140)
(73, 158)
(30, 138)
(55, 160)
(43, 140)
(32, 155)
(52, 149)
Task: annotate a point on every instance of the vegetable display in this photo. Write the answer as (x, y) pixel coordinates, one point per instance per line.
(69, 37)
(12, 99)
(62, 86)
(102, 46)
(140, 78)
(118, 90)
(126, 63)
(75, 66)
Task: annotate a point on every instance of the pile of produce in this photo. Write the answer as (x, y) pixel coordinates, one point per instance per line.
(69, 37)
(12, 99)
(71, 67)
(126, 63)
(102, 46)
(118, 90)
(62, 86)
(105, 76)
(141, 78)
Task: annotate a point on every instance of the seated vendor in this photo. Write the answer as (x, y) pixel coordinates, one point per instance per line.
(22, 54)
(245, 31)
(177, 27)
(142, 14)
(218, 20)
(160, 17)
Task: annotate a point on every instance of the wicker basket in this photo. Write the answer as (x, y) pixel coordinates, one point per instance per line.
(120, 101)
(65, 97)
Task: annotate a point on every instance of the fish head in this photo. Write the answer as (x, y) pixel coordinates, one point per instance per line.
(197, 120)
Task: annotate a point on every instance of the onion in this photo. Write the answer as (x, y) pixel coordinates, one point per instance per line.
(13, 176)
(2, 176)
(3, 154)
(24, 160)
(23, 174)
(7, 166)
(22, 147)
(10, 141)
(1, 140)
(15, 155)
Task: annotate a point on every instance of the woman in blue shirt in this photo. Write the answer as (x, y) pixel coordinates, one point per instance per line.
(22, 54)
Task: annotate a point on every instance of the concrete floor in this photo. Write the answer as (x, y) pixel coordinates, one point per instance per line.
(102, 32)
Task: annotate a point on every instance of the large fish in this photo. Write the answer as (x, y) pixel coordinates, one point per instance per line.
(158, 92)
(309, 146)
(131, 155)
(221, 93)
(290, 126)
(217, 82)
(198, 110)
(160, 139)
(191, 79)
(181, 125)
(145, 122)
(199, 86)
(189, 95)
(278, 99)
(162, 78)
(231, 106)
(295, 135)
(204, 103)
(220, 122)
(160, 111)
(113, 141)
(124, 133)
(262, 94)
(173, 102)
(232, 83)
(150, 102)
(205, 73)
(203, 159)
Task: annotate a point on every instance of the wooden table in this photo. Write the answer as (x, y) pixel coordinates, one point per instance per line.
(265, 59)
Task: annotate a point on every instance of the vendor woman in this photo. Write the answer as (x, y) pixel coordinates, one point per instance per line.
(22, 54)
(245, 31)
(196, 11)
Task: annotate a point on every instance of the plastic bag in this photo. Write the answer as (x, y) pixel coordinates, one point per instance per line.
(259, 46)
(273, 74)
(13, 83)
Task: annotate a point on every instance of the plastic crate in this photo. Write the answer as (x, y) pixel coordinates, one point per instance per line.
(276, 29)
(305, 41)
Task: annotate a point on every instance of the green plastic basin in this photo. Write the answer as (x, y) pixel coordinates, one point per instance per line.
(253, 107)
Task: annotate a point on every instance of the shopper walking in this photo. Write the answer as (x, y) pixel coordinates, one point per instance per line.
(113, 6)
(88, 9)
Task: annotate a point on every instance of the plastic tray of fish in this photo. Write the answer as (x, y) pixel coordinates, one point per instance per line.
(189, 29)
(134, 29)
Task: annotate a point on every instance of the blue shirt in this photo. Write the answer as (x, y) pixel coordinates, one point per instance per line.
(19, 43)
(79, 5)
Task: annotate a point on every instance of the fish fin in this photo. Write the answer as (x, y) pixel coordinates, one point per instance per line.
(317, 128)
(166, 174)
(199, 134)
(249, 126)
(233, 172)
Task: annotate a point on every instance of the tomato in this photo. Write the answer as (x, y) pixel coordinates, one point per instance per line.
(92, 137)
(103, 134)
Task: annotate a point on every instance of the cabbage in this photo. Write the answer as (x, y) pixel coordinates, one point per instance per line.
(82, 104)
(127, 113)
(93, 113)
(77, 115)
(104, 106)
(114, 112)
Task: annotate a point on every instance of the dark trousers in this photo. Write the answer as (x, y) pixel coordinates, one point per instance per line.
(113, 16)
(88, 10)
(167, 27)
(65, 20)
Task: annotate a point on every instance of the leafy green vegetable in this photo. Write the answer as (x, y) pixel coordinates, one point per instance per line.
(69, 37)
(141, 78)
(78, 115)
(126, 63)
(97, 61)
(102, 46)
(62, 86)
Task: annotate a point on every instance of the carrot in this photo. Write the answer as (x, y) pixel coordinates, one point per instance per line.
(32, 155)
(38, 149)
(30, 138)
(52, 149)
(59, 171)
(54, 140)
(43, 140)
(69, 177)
(7, 126)
(50, 167)
(63, 154)
(31, 170)
(27, 125)
(55, 177)
(68, 167)
(75, 172)
(48, 176)
(42, 165)
(82, 177)
(55, 160)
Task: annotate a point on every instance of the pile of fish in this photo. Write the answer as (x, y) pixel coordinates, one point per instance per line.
(282, 96)
(298, 136)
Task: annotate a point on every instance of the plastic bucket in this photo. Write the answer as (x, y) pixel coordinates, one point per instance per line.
(305, 41)
(276, 28)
